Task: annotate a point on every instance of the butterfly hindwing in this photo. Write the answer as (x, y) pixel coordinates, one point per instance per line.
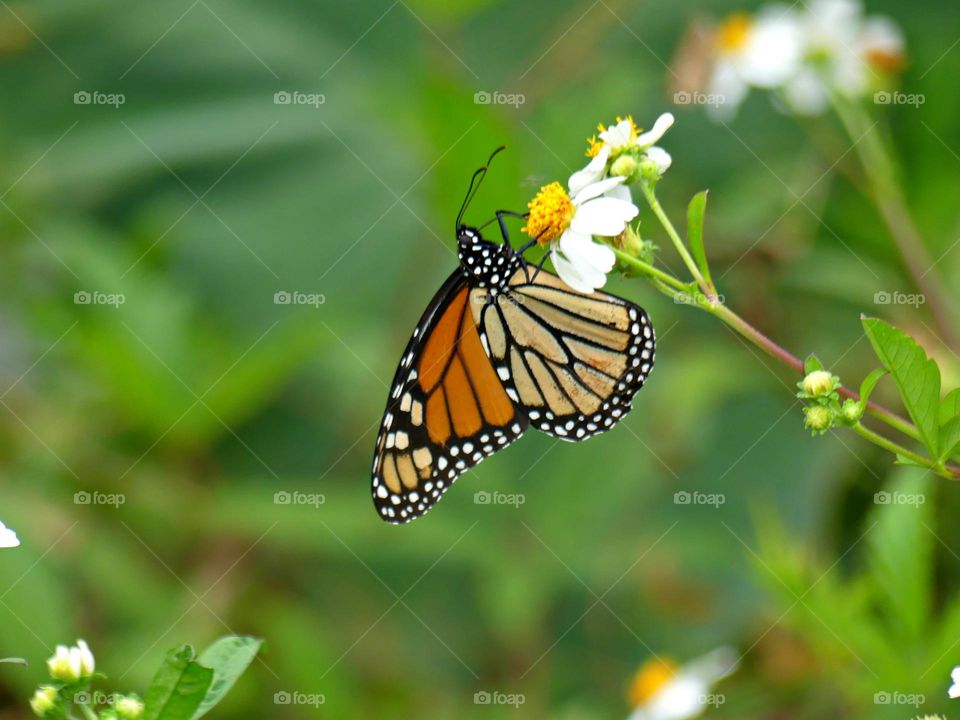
(447, 411)
(572, 361)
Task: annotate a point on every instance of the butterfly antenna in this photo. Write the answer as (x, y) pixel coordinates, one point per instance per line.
(475, 184)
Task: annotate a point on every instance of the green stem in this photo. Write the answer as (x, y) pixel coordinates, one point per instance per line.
(88, 713)
(649, 270)
(678, 243)
(896, 449)
(886, 194)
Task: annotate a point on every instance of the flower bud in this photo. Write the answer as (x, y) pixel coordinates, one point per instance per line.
(819, 383)
(129, 707)
(851, 412)
(71, 664)
(64, 665)
(818, 419)
(625, 166)
(44, 700)
(629, 241)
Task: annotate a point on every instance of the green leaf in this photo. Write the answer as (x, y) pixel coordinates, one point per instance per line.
(228, 657)
(812, 364)
(950, 406)
(917, 377)
(695, 213)
(900, 552)
(178, 688)
(949, 438)
(869, 383)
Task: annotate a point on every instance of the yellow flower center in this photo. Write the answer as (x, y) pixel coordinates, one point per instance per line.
(650, 679)
(550, 213)
(594, 146)
(885, 60)
(733, 33)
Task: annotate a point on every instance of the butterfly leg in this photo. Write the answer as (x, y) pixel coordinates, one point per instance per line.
(501, 214)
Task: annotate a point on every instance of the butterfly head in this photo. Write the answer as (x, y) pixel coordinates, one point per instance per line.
(487, 264)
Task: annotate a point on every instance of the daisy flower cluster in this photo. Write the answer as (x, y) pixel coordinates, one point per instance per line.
(805, 54)
(596, 203)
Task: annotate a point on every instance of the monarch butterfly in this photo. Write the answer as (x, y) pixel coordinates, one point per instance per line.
(502, 346)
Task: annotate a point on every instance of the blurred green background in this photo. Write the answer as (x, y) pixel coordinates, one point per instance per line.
(200, 398)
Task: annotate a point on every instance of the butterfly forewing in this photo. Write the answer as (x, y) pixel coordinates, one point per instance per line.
(447, 411)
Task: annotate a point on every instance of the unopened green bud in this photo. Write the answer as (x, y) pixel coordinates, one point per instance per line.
(819, 383)
(818, 419)
(851, 412)
(129, 707)
(44, 700)
(625, 166)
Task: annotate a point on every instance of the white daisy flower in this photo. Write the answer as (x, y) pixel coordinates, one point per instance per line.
(8, 538)
(663, 691)
(954, 691)
(624, 137)
(827, 48)
(764, 52)
(567, 223)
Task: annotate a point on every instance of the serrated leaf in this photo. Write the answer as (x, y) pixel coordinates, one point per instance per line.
(949, 438)
(916, 375)
(950, 406)
(900, 551)
(228, 658)
(812, 364)
(695, 215)
(178, 688)
(869, 383)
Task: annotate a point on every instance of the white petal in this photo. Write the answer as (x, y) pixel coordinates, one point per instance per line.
(806, 94)
(774, 48)
(586, 254)
(591, 173)
(620, 192)
(663, 123)
(569, 273)
(955, 675)
(603, 216)
(660, 157)
(617, 135)
(8, 538)
(729, 87)
(954, 691)
(597, 189)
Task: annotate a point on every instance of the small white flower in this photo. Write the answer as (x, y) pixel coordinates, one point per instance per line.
(71, 664)
(8, 538)
(954, 691)
(569, 224)
(662, 691)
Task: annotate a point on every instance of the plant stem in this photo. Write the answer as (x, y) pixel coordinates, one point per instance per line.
(650, 270)
(654, 204)
(896, 449)
(887, 196)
